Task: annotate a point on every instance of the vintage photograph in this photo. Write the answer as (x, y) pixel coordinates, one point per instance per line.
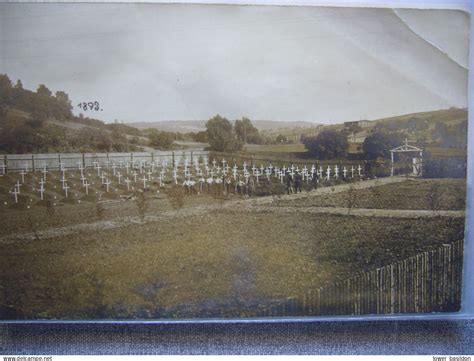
(184, 161)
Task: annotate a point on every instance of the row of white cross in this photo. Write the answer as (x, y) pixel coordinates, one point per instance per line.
(142, 165)
(215, 174)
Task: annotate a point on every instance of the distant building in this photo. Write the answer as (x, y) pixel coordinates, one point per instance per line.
(357, 137)
(360, 123)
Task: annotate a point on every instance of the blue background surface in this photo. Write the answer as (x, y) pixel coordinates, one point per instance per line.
(373, 337)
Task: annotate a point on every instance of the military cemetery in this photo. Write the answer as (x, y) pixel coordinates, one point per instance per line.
(177, 209)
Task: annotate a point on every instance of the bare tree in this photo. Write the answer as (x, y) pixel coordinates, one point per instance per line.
(434, 197)
(176, 196)
(142, 205)
(51, 212)
(99, 210)
(351, 198)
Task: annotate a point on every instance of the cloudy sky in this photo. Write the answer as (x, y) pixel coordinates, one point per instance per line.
(151, 62)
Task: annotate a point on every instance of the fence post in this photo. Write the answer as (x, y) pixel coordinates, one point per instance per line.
(191, 157)
(33, 165)
(152, 156)
(83, 160)
(172, 157)
(5, 161)
(59, 160)
(131, 159)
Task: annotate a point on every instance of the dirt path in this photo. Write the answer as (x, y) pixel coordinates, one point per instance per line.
(250, 204)
(361, 212)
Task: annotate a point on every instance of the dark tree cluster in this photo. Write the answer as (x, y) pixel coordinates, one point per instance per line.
(379, 144)
(42, 104)
(328, 144)
(247, 133)
(160, 140)
(222, 136)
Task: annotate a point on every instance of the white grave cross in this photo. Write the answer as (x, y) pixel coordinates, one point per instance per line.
(86, 186)
(22, 173)
(107, 184)
(65, 187)
(15, 193)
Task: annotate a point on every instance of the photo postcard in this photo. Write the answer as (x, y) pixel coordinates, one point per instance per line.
(186, 161)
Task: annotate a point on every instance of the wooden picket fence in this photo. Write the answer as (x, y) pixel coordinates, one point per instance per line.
(53, 161)
(428, 282)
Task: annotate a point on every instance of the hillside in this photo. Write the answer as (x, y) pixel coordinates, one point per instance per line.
(186, 126)
(449, 116)
(42, 121)
(447, 127)
(181, 126)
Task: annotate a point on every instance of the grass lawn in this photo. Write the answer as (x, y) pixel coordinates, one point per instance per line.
(275, 148)
(438, 152)
(227, 260)
(412, 194)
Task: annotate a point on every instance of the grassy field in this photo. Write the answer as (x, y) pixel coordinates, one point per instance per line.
(65, 214)
(439, 152)
(230, 260)
(450, 194)
(216, 263)
(275, 148)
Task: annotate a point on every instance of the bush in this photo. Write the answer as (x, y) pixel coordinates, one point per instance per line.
(142, 205)
(99, 210)
(160, 140)
(272, 188)
(454, 167)
(379, 145)
(176, 196)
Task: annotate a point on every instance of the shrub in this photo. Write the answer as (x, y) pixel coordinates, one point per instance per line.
(142, 204)
(453, 167)
(176, 196)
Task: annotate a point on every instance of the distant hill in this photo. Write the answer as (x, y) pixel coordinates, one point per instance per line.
(445, 128)
(448, 116)
(186, 126)
(181, 126)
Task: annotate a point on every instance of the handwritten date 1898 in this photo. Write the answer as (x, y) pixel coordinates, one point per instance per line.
(95, 106)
